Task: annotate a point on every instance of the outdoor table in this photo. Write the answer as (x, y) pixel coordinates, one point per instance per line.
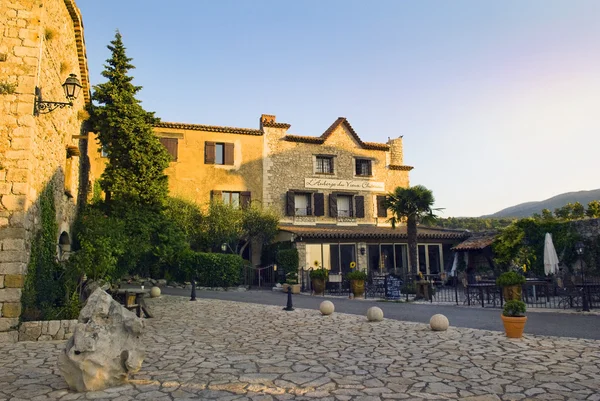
(133, 298)
(481, 287)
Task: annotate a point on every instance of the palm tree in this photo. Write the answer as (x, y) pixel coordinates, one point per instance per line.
(415, 205)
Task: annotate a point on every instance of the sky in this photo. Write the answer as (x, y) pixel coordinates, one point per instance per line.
(498, 102)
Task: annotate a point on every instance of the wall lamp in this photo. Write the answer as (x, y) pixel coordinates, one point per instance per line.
(362, 250)
(72, 86)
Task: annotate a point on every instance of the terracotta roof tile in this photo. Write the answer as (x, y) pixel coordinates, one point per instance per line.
(374, 232)
(276, 125)
(209, 128)
(476, 242)
(398, 167)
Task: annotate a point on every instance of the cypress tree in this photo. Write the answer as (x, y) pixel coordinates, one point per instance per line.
(134, 175)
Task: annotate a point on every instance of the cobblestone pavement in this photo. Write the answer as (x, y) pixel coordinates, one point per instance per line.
(212, 349)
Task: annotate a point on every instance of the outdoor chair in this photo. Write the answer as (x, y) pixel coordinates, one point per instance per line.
(569, 295)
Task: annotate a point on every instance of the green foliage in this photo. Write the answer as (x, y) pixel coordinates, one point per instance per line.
(514, 308)
(236, 227)
(287, 260)
(49, 289)
(593, 209)
(212, 269)
(522, 244)
(356, 275)
(269, 252)
(291, 278)
(7, 88)
(96, 192)
(134, 174)
(319, 274)
(188, 217)
(472, 223)
(577, 211)
(507, 279)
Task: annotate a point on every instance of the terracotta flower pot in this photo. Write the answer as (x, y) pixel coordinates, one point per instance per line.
(357, 287)
(318, 285)
(513, 326)
(512, 293)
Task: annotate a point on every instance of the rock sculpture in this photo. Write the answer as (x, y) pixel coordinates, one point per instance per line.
(439, 322)
(105, 347)
(327, 308)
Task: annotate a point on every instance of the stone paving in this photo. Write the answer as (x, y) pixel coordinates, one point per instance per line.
(225, 350)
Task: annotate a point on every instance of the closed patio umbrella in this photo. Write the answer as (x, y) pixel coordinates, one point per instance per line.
(550, 257)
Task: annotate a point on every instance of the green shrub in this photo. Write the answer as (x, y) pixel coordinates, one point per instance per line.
(287, 260)
(356, 275)
(212, 269)
(291, 278)
(409, 288)
(510, 278)
(319, 274)
(514, 308)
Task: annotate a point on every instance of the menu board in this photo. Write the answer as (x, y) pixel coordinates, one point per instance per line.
(392, 287)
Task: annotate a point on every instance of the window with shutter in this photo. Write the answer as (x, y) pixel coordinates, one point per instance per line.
(209, 152)
(333, 207)
(381, 209)
(171, 145)
(290, 204)
(360, 206)
(319, 199)
(228, 154)
(215, 195)
(245, 199)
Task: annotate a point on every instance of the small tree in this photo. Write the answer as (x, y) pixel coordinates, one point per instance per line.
(593, 209)
(415, 205)
(577, 211)
(134, 174)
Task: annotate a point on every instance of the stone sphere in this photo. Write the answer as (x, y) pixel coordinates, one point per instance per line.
(155, 292)
(327, 307)
(439, 322)
(375, 314)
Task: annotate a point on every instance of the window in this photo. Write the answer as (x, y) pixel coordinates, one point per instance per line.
(235, 198)
(344, 206)
(218, 153)
(103, 152)
(171, 145)
(363, 167)
(302, 205)
(324, 165)
(231, 198)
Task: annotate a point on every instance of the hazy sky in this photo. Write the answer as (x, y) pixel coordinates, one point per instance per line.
(498, 101)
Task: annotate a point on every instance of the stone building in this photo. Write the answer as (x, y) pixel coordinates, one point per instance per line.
(328, 189)
(41, 44)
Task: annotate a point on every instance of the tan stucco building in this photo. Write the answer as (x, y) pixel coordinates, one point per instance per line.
(328, 189)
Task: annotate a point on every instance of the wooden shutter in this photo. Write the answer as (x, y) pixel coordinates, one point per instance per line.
(245, 199)
(216, 195)
(209, 153)
(381, 209)
(360, 206)
(351, 206)
(228, 154)
(290, 206)
(319, 204)
(333, 205)
(309, 201)
(171, 145)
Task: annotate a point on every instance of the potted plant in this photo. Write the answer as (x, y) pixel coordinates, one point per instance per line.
(291, 281)
(357, 282)
(318, 278)
(511, 283)
(514, 319)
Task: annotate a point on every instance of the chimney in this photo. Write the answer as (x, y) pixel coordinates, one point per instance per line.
(396, 152)
(267, 118)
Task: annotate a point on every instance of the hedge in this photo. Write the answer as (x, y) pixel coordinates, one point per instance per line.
(213, 269)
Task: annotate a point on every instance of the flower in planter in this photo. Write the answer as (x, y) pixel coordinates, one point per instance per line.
(352, 265)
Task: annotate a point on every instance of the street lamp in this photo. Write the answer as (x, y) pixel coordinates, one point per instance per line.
(579, 248)
(71, 86)
(223, 246)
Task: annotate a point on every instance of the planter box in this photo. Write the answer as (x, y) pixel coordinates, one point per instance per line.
(514, 326)
(295, 288)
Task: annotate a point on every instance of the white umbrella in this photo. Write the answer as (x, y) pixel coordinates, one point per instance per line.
(550, 257)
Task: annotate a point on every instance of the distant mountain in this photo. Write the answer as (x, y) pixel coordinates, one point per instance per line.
(529, 208)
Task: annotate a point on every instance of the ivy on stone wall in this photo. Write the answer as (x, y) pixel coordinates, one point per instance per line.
(46, 294)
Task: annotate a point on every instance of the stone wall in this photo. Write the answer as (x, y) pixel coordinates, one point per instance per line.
(587, 228)
(40, 45)
(50, 330)
(286, 164)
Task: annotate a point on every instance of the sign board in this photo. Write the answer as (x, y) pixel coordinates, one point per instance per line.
(392, 287)
(348, 185)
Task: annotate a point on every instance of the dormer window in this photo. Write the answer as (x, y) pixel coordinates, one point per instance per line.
(363, 167)
(324, 165)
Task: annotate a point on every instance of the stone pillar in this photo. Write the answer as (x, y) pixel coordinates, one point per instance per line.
(362, 262)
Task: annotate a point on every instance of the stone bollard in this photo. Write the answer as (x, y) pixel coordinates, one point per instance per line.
(374, 314)
(327, 308)
(439, 322)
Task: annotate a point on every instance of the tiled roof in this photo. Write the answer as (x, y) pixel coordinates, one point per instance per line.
(209, 128)
(329, 131)
(374, 232)
(398, 167)
(476, 242)
(84, 75)
(276, 125)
